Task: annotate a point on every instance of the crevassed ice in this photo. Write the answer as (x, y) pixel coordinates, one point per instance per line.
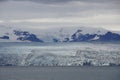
(61, 55)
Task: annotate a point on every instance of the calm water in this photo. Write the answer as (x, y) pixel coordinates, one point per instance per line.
(59, 73)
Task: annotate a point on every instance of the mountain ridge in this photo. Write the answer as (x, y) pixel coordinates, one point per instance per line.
(61, 34)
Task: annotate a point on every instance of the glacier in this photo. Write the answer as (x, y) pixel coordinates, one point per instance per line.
(66, 54)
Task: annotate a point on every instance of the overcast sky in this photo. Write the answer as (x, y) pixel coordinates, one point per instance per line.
(60, 13)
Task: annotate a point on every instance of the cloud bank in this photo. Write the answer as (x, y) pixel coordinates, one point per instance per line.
(96, 13)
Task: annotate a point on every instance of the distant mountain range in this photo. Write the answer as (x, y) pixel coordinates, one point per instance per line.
(62, 34)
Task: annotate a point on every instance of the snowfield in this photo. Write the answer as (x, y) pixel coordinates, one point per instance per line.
(60, 54)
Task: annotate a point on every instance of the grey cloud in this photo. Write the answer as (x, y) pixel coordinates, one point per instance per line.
(65, 1)
(3, 0)
(29, 10)
(33, 9)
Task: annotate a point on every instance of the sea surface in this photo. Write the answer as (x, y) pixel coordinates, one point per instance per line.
(59, 73)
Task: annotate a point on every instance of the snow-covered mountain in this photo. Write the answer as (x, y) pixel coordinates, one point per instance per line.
(8, 34)
(61, 34)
